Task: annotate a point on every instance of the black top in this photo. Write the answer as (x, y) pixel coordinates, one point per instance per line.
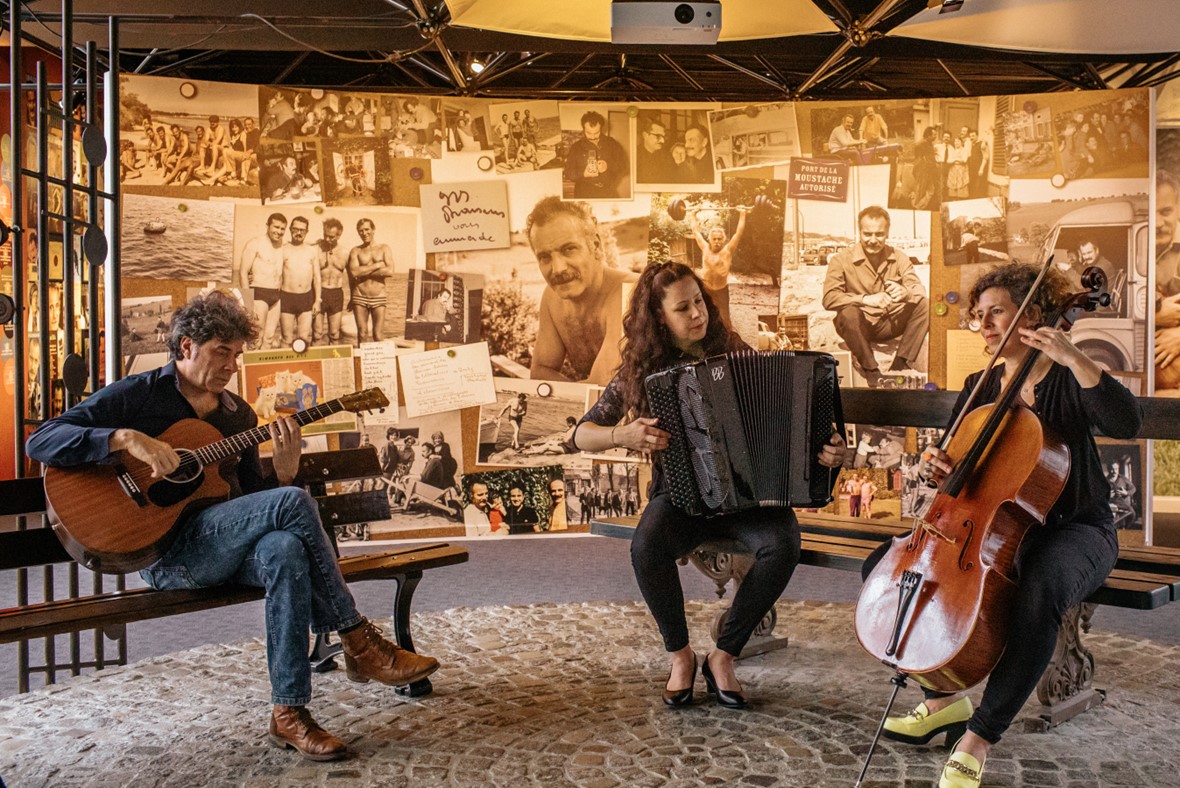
(1072, 412)
(525, 515)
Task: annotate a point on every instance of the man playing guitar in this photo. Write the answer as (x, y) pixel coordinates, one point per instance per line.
(268, 534)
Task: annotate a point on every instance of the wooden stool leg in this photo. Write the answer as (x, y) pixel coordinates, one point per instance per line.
(1066, 690)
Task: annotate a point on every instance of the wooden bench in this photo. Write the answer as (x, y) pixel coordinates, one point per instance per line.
(108, 612)
(1144, 578)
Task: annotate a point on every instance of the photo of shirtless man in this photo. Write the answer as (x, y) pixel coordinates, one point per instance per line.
(300, 294)
(260, 267)
(717, 259)
(333, 267)
(368, 267)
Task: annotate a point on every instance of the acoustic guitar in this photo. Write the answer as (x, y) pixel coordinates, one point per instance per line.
(114, 517)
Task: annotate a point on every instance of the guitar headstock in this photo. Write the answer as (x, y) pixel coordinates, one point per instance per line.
(369, 399)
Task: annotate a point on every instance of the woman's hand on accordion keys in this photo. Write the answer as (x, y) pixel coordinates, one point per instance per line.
(641, 435)
(832, 455)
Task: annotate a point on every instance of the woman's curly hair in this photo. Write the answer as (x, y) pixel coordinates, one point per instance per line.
(647, 345)
(1017, 279)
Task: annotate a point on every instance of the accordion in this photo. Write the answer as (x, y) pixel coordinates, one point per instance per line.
(746, 429)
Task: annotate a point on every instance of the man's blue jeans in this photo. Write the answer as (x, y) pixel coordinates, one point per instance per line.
(273, 540)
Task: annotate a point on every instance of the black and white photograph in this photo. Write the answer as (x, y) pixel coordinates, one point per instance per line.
(673, 150)
(887, 338)
(1122, 465)
(417, 127)
(361, 257)
(1084, 224)
(527, 136)
(1024, 135)
(1105, 139)
(143, 324)
(289, 172)
(166, 239)
(755, 135)
(975, 231)
(443, 307)
(188, 137)
(355, 171)
(516, 502)
(862, 133)
(605, 489)
(595, 151)
(421, 460)
(553, 316)
(734, 239)
(528, 423)
(466, 125)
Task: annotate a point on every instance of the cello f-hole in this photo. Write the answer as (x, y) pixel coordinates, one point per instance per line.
(964, 564)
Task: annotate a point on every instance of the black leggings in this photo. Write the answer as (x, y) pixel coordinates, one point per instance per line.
(665, 533)
(1057, 568)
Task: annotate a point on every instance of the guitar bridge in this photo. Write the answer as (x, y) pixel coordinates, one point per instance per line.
(130, 486)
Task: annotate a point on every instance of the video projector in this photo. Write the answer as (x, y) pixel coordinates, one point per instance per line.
(665, 22)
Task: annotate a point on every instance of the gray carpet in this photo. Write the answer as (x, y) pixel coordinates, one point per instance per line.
(538, 570)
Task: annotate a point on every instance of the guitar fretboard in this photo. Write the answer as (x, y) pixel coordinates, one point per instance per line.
(216, 452)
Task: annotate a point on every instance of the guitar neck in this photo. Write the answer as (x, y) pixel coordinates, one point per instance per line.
(216, 452)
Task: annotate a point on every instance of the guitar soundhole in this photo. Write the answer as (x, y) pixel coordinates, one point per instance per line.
(179, 484)
(189, 470)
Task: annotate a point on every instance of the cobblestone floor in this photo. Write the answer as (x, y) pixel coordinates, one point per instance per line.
(567, 694)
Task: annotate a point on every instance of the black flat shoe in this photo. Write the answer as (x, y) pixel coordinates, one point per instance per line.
(730, 700)
(681, 697)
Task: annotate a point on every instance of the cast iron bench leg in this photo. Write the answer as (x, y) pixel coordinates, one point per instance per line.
(402, 598)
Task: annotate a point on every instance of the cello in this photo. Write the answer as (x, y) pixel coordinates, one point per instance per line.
(936, 607)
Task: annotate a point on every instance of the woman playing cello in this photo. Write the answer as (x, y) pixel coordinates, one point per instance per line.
(1058, 564)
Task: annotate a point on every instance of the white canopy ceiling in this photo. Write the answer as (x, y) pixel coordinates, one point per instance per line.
(589, 20)
(1078, 26)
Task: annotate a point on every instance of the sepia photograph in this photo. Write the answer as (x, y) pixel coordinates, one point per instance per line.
(975, 231)
(527, 136)
(165, 239)
(595, 151)
(557, 319)
(673, 149)
(188, 136)
(528, 423)
(355, 171)
(733, 239)
(443, 307)
(754, 136)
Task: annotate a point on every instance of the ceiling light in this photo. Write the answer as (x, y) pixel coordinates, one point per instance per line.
(477, 66)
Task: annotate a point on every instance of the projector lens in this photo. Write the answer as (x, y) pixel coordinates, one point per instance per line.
(684, 13)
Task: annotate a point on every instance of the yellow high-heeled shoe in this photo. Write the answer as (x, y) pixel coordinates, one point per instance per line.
(962, 770)
(920, 726)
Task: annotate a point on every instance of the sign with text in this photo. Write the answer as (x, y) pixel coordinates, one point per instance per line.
(447, 379)
(462, 216)
(818, 179)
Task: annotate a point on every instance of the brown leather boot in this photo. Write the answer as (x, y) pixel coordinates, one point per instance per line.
(293, 727)
(368, 655)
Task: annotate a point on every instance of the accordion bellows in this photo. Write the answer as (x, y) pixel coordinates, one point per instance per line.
(747, 428)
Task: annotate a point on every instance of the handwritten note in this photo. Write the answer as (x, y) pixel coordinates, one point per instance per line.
(966, 352)
(440, 380)
(379, 368)
(459, 216)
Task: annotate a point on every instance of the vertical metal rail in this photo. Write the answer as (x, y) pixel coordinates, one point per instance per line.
(16, 120)
(93, 335)
(43, 327)
(114, 220)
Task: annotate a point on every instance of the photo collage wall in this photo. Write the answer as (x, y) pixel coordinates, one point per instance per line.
(347, 220)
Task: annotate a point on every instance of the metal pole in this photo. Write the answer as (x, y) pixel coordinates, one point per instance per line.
(114, 344)
(16, 122)
(92, 310)
(43, 240)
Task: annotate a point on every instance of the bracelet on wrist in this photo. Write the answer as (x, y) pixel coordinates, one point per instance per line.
(612, 436)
